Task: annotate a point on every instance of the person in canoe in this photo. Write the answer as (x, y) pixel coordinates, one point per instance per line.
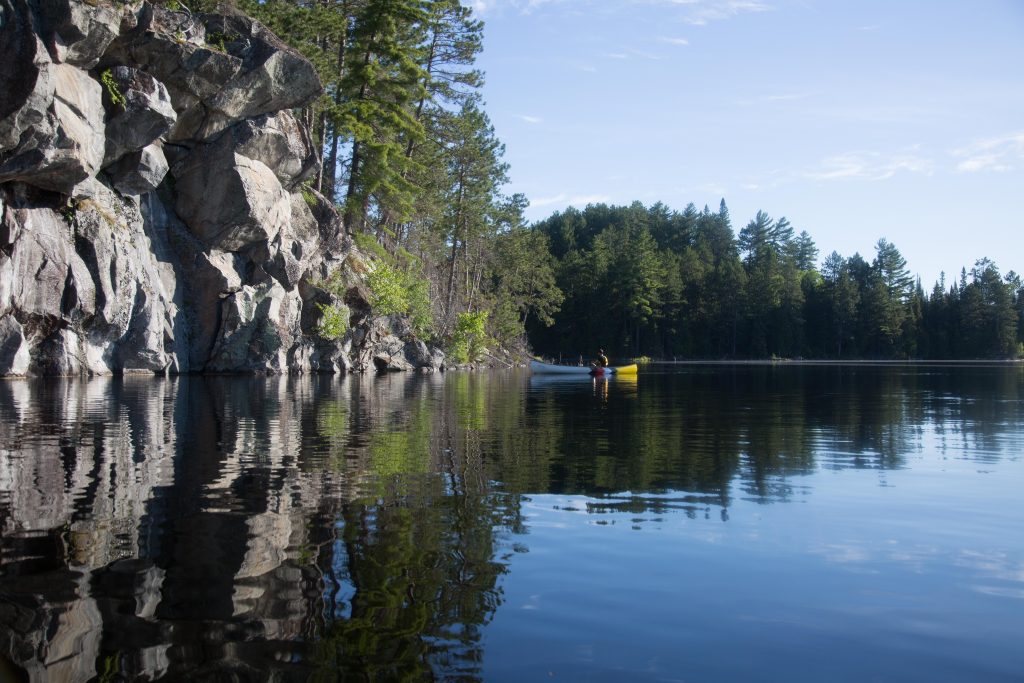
(602, 360)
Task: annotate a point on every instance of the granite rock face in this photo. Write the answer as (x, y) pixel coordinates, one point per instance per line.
(153, 217)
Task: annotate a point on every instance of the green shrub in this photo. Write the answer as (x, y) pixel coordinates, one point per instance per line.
(370, 245)
(307, 196)
(395, 286)
(333, 320)
(420, 313)
(215, 39)
(469, 341)
(388, 294)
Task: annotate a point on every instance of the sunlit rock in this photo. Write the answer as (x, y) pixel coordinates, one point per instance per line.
(139, 172)
(227, 200)
(80, 32)
(144, 115)
(61, 145)
(279, 142)
(14, 348)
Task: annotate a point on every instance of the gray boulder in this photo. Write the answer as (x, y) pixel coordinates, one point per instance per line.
(90, 291)
(44, 279)
(227, 200)
(78, 32)
(210, 277)
(25, 80)
(145, 115)
(171, 47)
(258, 329)
(139, 172)
(273, 76)
(59, 128)
(281, 143)
(218, 69)
(14, 348)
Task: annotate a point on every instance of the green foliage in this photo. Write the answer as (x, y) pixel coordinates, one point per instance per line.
(217, 40)
(69, 212)
(396, 289)
(310, 198)
(388, 294)
(369, 244)
(113, 91)
(662, 283)
(333, 320)
(469, 340)
(420, 311)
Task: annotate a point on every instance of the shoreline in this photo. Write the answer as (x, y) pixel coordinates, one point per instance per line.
(785, 361)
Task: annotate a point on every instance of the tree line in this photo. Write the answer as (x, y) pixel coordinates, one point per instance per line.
(661, 283)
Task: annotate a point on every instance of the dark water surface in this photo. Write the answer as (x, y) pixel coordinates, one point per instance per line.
(753, 523)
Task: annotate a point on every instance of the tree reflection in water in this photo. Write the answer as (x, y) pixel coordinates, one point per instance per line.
(360, 527)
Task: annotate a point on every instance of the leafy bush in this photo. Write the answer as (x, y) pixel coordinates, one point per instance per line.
(369, 244)
(333, 320)
(469, 340)
(394, 291)
(388, 294)
(420, 313)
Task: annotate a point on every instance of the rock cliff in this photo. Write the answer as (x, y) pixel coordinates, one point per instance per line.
(153, 216)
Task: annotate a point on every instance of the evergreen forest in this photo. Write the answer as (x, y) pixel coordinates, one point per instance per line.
(413, 163)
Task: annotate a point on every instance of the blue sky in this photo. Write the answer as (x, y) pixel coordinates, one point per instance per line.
(855, 120)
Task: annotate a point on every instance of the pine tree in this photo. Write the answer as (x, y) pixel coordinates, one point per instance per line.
(888, 296)
(383, 81)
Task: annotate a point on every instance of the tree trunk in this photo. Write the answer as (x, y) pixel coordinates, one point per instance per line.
(330, 166)
(351, 210)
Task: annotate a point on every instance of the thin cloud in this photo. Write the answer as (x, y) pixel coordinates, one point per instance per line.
(869, 166)
(694, 12)
(999, 153)
(564, 199)
(532, 120)
(704, 13)
(674, 41)
(633, 53)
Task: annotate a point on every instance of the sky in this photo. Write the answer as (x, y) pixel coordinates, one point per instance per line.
(854, 120)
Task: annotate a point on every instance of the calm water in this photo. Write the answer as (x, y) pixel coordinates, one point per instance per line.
(697, 523)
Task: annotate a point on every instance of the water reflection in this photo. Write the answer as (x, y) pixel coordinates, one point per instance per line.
(318, 527)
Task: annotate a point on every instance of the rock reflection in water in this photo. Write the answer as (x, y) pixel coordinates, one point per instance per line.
(208, 527)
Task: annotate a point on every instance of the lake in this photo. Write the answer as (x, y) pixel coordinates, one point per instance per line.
(695, 523)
